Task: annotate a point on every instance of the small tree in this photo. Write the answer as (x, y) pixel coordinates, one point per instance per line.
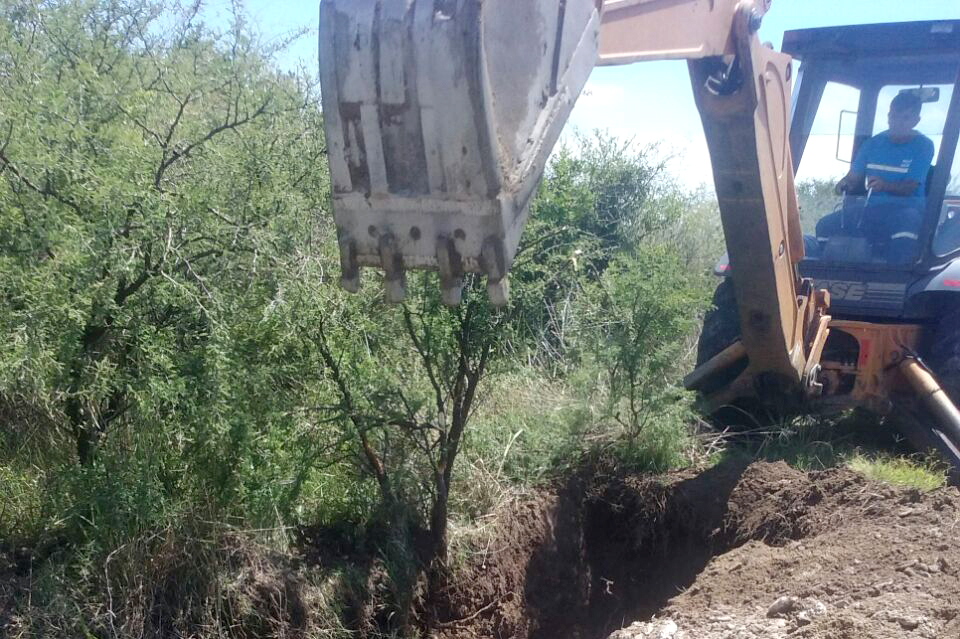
(408, 385)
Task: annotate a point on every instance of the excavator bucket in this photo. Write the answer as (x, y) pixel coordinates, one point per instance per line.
(439, 116)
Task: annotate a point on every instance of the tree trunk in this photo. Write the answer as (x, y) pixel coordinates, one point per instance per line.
(86, 431)
(81, 432)
(437, 572)
(438, 519)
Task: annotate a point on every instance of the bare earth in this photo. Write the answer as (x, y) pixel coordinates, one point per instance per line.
(735, 552)
(869, 561)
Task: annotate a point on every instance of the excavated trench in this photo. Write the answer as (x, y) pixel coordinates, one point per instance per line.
(600, 553)
(623, 550)
(708, 551)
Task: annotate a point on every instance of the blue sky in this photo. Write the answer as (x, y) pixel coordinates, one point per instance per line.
(619, 98)
(650, 102)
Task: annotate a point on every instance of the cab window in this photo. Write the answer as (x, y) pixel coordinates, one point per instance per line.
(828, 152)
(947, 238)
(878, 216)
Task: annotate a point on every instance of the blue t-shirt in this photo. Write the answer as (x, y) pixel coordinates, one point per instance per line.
(881, 157)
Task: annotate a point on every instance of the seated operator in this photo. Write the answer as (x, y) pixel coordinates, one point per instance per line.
(893, 166)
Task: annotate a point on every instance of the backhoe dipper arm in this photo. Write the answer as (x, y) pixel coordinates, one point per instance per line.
(742, 91)
(440, 115)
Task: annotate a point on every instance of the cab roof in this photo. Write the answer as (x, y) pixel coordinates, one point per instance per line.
(887, 39)
(900, 52)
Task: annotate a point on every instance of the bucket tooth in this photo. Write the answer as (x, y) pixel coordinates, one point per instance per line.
(494, 265)
(349, 268)
(395, 277)
(450, 266)
(499, 292)
(394, 291)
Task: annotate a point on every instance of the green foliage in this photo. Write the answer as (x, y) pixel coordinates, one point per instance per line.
(816, 199)
(155, 179)
(20, 502)
(606, 300)
(599, 200)
(603, 190)
(695, 236)
(160, 267)
(646, 304)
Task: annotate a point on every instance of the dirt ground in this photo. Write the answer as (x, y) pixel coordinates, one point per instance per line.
(737, 552)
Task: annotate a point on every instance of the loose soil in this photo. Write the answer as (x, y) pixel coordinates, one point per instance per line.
(737, 551)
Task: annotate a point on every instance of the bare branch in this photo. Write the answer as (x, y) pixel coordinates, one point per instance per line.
(6, 142)
(228, 125)
(425, 359)
(45, 191)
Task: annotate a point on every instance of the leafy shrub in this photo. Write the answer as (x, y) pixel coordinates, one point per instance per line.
(645, 305)
(154, 181)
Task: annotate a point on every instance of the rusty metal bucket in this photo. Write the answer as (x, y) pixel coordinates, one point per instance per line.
(440, 116)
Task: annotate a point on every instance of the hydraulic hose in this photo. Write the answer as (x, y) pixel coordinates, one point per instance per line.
(934, 397)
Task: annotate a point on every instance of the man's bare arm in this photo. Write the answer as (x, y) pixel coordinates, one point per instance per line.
(849, 182)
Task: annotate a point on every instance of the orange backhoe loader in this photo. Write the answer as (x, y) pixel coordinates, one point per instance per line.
(440, 116)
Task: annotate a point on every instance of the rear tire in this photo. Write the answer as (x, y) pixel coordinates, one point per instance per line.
(721, 328)
(721, 325)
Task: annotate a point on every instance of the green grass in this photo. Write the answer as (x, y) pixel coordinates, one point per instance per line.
(20, 501)
(901, 471)
(805, 443)
(856, 440)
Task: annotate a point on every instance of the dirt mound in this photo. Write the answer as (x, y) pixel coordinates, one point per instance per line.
(860, 560)
(737, 551)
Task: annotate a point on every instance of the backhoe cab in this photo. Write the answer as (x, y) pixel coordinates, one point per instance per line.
(848, 78)
(895, 291)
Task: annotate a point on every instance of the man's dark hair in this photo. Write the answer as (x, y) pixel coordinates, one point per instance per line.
(906, 101)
